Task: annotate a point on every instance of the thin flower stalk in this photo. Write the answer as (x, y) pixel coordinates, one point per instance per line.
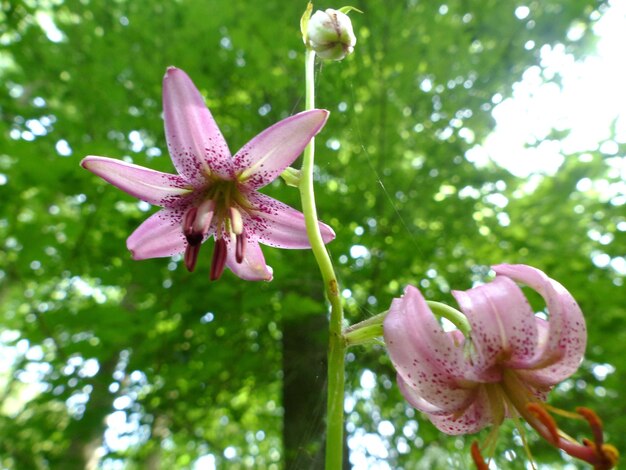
(337, 346)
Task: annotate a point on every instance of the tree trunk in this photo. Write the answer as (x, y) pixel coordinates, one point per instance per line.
(87, 433)
(304, 391)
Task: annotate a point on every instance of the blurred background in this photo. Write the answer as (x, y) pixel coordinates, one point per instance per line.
(463, 133)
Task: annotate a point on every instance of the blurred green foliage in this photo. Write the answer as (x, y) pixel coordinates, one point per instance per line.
(143, 365)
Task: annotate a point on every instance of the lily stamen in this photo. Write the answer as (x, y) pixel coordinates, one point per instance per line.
(240, 247)
(594, 423)
(191, 256)
(188, 220)
(602, 456)
(547, 420)
(204, 217)
(194, 238)
(196, 224)
(477, 457)
(219, 259)
(236, 221)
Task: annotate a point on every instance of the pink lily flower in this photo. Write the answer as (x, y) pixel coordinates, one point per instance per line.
(215, 194)
(504, 368)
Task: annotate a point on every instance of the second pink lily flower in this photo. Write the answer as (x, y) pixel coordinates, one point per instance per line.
(512, 358)
(215, 194)
(506, 366)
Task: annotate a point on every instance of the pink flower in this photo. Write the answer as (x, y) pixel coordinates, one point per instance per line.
(215, 194)
(507, 365)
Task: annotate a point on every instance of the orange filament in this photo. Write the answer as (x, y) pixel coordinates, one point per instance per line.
(546, 419)
(595, 452)
(478, 458)
(606, 454)
(594, 422)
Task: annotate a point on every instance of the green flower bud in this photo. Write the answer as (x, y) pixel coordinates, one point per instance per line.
(291, 176)
(330, 34)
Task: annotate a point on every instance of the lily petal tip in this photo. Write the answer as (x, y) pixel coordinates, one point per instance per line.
(324, 113)
(328, 234)
(85, 161)
(170, 69)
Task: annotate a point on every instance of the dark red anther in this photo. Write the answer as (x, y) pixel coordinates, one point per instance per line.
(191, 255)
(219, 259)
(193, 236)
(188, 220)
(240, 247)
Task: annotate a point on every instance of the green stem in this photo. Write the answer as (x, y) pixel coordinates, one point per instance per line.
(367, 331)
(337, 346)
(453, 315)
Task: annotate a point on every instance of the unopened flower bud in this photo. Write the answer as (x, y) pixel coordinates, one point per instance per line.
(291, 176)
(330, 34)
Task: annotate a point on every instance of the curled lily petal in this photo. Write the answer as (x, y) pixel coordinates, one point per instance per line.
(416, 400)
(265, 157)
(503, 325)
(154, 187)
(561, 354)
(475, 417)
(158, 236)
(424, 356)
(196, 144)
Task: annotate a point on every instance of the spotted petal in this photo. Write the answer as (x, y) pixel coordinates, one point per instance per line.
(475, 417)
(265, 157)
(503, 325)
(160, 235)
(195, 143)
(253, 267)
(161, 189)
(561, 354)
(426, 358)
(276, 224)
